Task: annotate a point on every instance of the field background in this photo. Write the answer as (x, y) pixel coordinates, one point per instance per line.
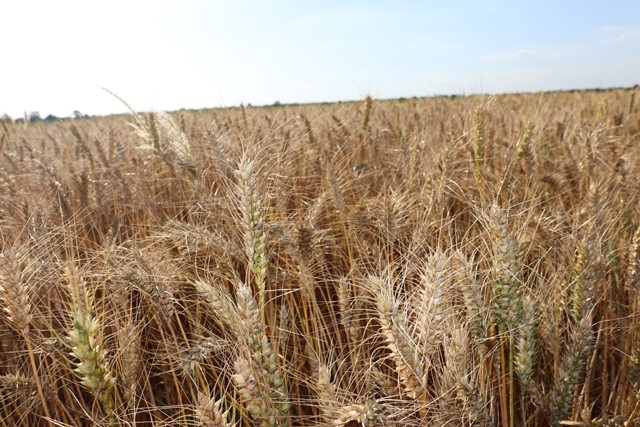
(443, 261)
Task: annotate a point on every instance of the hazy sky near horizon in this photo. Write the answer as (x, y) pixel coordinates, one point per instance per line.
(167, 55)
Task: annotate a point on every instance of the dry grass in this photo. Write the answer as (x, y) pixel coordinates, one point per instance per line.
(467, 261)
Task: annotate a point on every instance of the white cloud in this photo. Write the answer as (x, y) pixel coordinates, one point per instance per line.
(622, 36)
(523, 53)
(611, 28)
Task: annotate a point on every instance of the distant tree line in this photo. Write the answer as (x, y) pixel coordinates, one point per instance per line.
(34, 117)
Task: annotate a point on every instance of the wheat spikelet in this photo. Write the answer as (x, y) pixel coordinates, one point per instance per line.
(336, 190)
(366, 415)
(430, 308)
(335, 412)
(473, 298)
(157, 292)
(347, 318)
(199, 246)
(395, 330)
(86, 344)
(161, 134)
(284, 328)
(174, 139)
(261, 350)
(305, 242)
(14, 292)
(83, 148)
(455, 378)
(131, 362)
(571, 370)
(200, 350)
(255, 237)
(526, 343)
(633, 264)
(364, 127)
(91, 366)
(253, 395)
(327, 394)
(221, 303)
(506, 272)
(209, 414)
(16, 384)
(258, 376)
(459, 384)
(586, 271)
(387, 384)
(523, 148)
(156, 287)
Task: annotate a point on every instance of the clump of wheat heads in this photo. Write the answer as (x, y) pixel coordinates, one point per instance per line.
(349, 228)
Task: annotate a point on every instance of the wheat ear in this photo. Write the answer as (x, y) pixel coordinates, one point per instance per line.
(525, 357)
(91, 366)
(586, 270)
(430, 313)
(571, 370)
(257, 375)
(87, 347)
(14, 292)
(261, 351)
(395, 331)
(334, 412)
(473, 298)
(506, 273)
(255, 237)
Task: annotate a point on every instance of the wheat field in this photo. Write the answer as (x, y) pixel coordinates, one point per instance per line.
(450, 261)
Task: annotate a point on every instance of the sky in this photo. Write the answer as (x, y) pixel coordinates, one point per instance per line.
(57, 56)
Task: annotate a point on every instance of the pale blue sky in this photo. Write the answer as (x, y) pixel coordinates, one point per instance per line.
(166, 55)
